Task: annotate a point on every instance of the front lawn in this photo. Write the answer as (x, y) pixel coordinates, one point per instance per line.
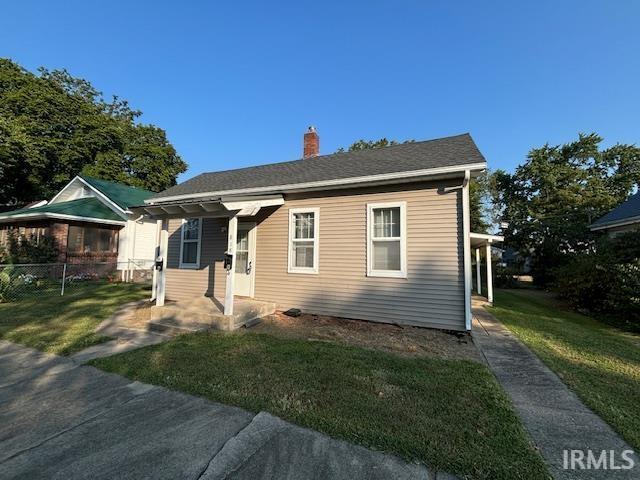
(65, 324)
(599, 362)
(450, 414)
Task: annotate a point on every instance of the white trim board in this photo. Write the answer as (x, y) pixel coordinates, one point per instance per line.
(61, 216)
(402, 273)
(616, 223)
(181, 264)
(291, 268)
(99, 194)
(412, 175)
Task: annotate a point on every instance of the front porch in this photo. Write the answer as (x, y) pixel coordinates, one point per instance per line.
(206, 313)
(229, 246)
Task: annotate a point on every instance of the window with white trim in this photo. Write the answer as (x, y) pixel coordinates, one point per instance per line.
(191, 236)
(303, 240)
(386, 240)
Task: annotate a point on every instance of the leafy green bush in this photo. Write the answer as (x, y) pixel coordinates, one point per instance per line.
(506, 277)
(606, 280)
(6, 283)
(29, 250)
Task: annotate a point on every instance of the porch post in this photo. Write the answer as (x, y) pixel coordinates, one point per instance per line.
(489, 275)
(231, 273)
(156, 251)
(162, 277)
(478, 276)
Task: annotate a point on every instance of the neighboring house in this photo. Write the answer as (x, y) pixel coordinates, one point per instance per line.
(511, 258)
(380, 235)
(90, 221)
(624, 218)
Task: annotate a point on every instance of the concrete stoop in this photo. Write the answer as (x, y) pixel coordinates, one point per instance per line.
(206, 313)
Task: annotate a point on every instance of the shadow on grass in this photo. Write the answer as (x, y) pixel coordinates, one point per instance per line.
(65, 324)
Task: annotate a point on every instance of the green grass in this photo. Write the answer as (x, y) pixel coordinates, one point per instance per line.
(64, 325)
(451, 415)
(598, 362)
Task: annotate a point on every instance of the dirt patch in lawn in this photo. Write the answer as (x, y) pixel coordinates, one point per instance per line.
(401, 340)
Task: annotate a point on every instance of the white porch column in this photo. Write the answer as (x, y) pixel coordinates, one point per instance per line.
(489, 275)
(478, 275)
(162, 275)
(156, 254)
(231, 273)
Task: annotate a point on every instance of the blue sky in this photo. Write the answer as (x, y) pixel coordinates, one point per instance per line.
(237, 83)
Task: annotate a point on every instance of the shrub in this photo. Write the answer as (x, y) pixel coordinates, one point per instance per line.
(29, 250)
(605, 281)
(506, 277)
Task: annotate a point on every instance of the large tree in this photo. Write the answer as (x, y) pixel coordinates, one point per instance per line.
(550, 200)
(54, 126)
(478, 194)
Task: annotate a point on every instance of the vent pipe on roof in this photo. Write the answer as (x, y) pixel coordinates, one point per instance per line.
(311, 143)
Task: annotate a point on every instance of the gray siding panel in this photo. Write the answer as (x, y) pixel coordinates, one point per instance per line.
(433, 293)
(431, 296)
(209, 279)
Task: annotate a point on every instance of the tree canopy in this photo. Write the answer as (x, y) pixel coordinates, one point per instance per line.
(551, 199)
(368, 144)
(54, 126)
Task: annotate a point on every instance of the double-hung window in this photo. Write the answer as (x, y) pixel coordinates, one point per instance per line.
(191, 236)
(303, 240)
(386, 240)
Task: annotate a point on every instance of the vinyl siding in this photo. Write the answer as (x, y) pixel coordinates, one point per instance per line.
(144, 242)
(209, 278)
(432, 295)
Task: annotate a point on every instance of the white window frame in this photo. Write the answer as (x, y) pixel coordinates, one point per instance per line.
(402, 273)
(291, 268)
(182, 242)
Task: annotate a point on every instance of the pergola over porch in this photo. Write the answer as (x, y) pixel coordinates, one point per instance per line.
(480, 241)
(231, 208)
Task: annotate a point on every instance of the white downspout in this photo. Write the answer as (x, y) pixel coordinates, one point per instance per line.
(466, 238)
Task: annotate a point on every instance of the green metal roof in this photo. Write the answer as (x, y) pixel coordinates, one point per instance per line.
(122, 195)
(89, 207)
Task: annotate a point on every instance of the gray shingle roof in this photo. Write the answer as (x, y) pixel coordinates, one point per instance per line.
(628, 209)
(406, 157)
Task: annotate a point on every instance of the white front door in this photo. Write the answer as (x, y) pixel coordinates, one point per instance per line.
(245, 259)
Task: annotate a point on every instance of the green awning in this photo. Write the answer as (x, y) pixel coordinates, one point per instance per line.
(88, 208)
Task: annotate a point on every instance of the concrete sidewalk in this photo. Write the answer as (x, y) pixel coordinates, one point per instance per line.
(60, 420)
(554, 416)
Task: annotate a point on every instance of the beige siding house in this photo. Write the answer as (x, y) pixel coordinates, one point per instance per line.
(379, 235)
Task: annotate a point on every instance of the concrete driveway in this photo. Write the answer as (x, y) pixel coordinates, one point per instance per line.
(61, 420)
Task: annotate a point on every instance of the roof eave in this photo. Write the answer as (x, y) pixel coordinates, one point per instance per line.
(58, 216)
(615, 223)
(370, 180)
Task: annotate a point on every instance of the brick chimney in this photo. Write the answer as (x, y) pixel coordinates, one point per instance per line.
(311, 143)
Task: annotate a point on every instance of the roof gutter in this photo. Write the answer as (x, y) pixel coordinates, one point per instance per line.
(615, 223)
(466, 239)
(395, 177)
(60, 216)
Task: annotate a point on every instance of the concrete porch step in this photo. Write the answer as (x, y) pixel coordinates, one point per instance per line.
(169, 326)
(206, 313)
